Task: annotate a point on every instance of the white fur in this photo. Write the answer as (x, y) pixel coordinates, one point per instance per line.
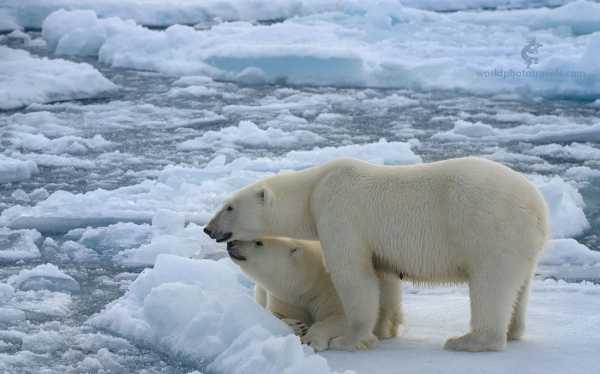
(460, 220)
(292, 283)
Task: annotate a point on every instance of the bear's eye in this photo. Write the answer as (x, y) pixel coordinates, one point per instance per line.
(229, 208)
(258, 243)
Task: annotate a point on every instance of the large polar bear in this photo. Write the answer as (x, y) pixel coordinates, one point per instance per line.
(292, 283)
(460, 220)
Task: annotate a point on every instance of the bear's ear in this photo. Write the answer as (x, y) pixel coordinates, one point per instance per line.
(265, 196)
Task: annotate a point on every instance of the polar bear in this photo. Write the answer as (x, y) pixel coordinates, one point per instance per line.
(292, 283)
(458, 220)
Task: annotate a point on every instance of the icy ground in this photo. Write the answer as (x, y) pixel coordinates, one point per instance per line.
(114, 166)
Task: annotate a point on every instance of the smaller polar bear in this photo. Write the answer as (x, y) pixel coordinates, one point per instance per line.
(293, 284)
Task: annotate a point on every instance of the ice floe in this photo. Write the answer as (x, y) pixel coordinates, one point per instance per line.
(26, 79)
(199, 312)
(248, 134)
(44, 277)
(384, 45)
(19, 244)
(537, 133)
(194, 192)
(567, 218)
(12, 170)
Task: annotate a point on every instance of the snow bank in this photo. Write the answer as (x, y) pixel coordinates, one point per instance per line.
(194, 192)
(18, 244)
(385, 45)
(12, 170)
(25, 79)
(197, 311)
(44, 277)
(248, 134)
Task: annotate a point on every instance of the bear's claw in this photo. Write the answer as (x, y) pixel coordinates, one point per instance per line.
(300, 328)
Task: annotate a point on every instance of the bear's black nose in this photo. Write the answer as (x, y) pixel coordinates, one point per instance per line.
(208, 232)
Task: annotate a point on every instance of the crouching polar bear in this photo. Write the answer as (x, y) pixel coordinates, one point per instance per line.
(460, 220)
(292, 283)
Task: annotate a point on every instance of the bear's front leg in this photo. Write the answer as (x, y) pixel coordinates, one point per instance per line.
(320, 334)
(390, 305)
(357, 285)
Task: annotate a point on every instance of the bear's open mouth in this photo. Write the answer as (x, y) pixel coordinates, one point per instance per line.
(224, 238)
(235, 253)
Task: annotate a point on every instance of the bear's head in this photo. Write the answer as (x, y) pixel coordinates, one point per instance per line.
(243, 216)
(283, 266)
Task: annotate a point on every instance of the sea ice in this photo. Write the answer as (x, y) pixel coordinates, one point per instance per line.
(194, 192)
(569, 252)
(44, 277)
(567, 218)
(25, 79)
(170, 235)
(12, 170)
(199, 312)
(385, 45)
(18, 244)
(558, 131)
(248, 134)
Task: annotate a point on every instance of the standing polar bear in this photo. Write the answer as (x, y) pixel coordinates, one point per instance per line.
(292, 283)
(460, 220)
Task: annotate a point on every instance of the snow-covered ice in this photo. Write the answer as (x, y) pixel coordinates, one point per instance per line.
(374, 45)
(170, 235)
(18, 244)
(194, 192)
(44, 277)
(248, 134)
(26, 79)
(566, 205)
(218, 324)
(560, 337)
(12, 170)
(31, 13)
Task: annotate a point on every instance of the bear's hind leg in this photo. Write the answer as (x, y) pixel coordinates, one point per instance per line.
(492, 294)
(517, 323)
